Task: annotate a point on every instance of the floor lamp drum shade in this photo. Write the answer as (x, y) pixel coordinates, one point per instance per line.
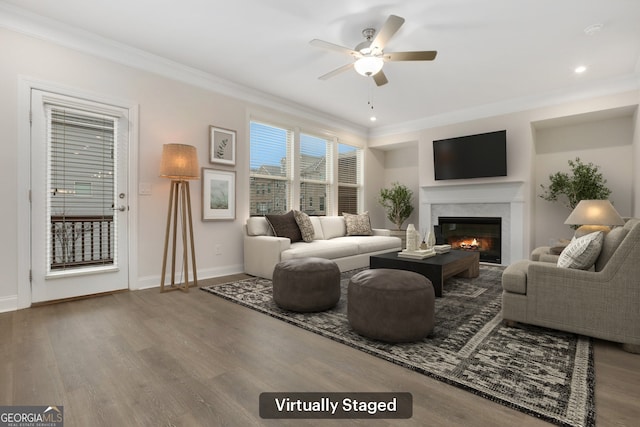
(179, 162)
(594, 215)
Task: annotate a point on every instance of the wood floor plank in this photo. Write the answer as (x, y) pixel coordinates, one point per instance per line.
(187, 359)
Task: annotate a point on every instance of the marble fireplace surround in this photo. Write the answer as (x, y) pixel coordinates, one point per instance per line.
(503, 200)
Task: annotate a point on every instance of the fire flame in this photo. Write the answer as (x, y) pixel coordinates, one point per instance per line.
(469, 244)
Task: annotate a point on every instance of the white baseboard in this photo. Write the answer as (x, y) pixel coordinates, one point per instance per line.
(9, 303)
(148, 282)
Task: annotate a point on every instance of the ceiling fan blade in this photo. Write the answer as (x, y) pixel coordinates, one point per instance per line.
(331, 46)
(380, 78)
(335, 72)
(390, 27)
(426, 55)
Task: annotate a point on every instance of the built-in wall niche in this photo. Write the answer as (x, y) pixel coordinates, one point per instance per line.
(593, 130)
(604, 138)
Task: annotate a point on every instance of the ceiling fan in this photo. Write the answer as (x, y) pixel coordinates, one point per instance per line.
(370, 56)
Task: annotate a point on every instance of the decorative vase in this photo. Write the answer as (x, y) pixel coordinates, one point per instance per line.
(412, 238)
(431, 240)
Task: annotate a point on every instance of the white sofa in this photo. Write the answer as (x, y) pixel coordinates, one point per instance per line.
(263, 250)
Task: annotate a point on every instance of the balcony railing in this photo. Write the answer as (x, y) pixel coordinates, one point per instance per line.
(81, 241)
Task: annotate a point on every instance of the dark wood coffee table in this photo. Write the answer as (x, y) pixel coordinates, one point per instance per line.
(437, 268)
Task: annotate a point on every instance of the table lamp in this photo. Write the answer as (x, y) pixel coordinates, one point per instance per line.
(594, 215)
(180, 164)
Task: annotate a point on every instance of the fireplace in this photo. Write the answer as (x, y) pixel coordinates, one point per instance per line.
(481, 234)
(492, 199)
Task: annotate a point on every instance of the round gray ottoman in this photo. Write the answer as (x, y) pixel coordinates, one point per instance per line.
(306, 284)
(391, 305)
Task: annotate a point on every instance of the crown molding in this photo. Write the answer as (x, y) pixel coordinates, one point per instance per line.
(33, 25)
(576, 93)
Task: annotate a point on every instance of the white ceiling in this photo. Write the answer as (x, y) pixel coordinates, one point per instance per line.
(489, 52)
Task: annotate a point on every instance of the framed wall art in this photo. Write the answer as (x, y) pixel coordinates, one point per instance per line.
(222, 146)
(218, 195)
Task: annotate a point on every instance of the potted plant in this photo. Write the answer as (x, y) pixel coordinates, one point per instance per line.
(584, 183)
(398, 202)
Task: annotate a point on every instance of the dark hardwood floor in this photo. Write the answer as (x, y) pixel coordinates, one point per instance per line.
(149, 359)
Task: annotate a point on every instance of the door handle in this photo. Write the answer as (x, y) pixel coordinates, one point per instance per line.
(120, 208)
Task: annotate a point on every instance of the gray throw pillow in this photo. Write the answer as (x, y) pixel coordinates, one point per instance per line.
(285, 226)
(358, 225)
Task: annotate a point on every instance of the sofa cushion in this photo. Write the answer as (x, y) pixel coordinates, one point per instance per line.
(333, 226)
(258, 226)
(611, 242)
(550, 258)
(285, 226)
(320, 248)
(368, 244)
(304, 224)
(317, 228)
(582, 252)
(357, 225)
(538, 252)
(514, 277)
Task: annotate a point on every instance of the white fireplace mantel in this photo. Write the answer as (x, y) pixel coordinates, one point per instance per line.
(501, 199)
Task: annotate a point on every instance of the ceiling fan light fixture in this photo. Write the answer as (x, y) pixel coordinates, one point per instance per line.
(368, 65)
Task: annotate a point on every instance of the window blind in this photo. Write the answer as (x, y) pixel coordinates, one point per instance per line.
(270, 168)
(272, 172)
(315, 170)
(81, 182)
(349, 178)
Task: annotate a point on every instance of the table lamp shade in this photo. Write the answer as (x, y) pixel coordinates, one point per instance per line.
(179, 162)
(594, 212)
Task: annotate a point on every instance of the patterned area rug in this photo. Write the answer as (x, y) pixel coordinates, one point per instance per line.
(542, 372)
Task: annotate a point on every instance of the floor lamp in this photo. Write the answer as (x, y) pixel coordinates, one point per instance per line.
(180, 164)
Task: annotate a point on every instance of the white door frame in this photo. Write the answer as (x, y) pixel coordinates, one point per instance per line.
(25, 86)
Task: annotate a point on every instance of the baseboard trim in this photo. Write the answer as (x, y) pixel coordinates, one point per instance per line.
(149, 282)
(9, 303)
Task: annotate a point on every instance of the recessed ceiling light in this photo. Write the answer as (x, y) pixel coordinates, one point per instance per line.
(593, 29)
(373, 118)
(580, 69)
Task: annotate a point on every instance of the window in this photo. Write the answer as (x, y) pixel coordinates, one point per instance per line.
(270, 169)
(296, 170)
(314, 172)
(81, 180)
(349, 178)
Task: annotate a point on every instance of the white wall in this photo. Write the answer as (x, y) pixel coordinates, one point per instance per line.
(373, 182)
(169, 111)
(636, 157)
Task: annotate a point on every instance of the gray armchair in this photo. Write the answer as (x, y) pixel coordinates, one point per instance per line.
(601, 303)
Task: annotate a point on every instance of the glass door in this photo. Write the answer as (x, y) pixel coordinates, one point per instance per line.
(79, 212)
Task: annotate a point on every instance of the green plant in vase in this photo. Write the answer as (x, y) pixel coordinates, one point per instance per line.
(585, 182)
(398, 203)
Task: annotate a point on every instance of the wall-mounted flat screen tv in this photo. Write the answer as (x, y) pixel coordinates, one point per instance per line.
(472, 156)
